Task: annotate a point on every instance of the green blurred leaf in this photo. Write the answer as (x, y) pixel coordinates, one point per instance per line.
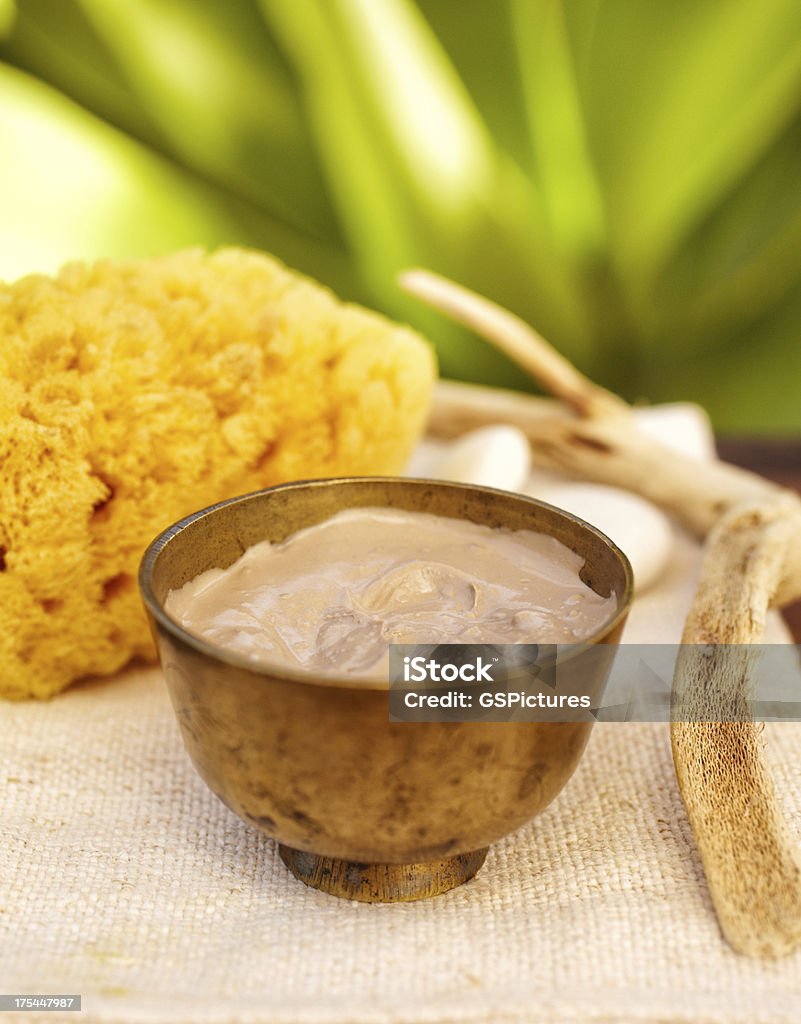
(481, 50)
(681, 100)
(622, 174)
(389, 117)
(53, 40)
(358, 121)
(112, 197)
(208, 76)
(750, 383)
(7, 15)
(413, 170)
(557, 130)
(740, 263)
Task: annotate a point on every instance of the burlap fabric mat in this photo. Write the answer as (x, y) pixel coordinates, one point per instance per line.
(124, 879)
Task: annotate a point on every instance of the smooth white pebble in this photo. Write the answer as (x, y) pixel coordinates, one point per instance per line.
(640, 529)
(494, 456)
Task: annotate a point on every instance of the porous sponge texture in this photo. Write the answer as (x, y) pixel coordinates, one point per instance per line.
(136, 392)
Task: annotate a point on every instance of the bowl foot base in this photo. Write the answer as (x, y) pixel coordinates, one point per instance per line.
(381, 883)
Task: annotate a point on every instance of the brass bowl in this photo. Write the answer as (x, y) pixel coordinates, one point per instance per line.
(362, 807)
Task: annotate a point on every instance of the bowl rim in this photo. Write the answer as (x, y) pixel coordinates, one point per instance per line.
(329, 677)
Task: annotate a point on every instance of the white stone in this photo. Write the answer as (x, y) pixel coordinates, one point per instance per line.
(495, 456)
(683, 426)
(641, 530)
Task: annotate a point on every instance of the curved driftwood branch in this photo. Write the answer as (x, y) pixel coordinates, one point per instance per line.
(753, 557)
(751, 860)
(517, 339)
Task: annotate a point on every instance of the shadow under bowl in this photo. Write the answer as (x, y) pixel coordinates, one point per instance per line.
(361, 806)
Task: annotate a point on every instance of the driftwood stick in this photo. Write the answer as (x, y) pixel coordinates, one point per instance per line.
(610, 451)
(458, 407)
(517, 339)
(613, 451)
(752, 863)
(751, 860)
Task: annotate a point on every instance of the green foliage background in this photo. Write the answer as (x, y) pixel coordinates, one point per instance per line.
(625, 174)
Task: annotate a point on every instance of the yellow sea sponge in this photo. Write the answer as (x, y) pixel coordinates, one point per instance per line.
(135, 392)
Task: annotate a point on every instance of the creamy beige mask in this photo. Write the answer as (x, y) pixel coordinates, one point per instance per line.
(335, 595)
